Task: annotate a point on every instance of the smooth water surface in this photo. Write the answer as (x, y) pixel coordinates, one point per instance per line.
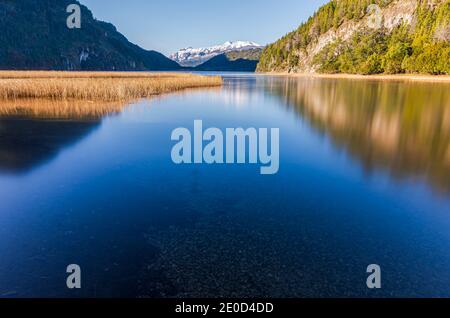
(364, 179)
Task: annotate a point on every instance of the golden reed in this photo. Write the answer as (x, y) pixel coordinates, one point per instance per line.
(59, 109)
(97, 85)
(86, 94)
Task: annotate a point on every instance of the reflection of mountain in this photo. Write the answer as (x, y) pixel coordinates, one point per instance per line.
(401, 127)
(26, 143)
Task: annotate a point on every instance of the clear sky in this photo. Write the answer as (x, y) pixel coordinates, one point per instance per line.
(168, 25)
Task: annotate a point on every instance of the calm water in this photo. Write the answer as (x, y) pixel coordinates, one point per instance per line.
(364, 179)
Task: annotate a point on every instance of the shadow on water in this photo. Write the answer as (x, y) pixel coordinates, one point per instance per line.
(33, 132)
(27, 143)
(400, 127)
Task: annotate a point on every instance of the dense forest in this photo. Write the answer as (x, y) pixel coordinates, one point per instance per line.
(421, 46)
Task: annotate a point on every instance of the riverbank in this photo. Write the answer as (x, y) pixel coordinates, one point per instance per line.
(383, 77)
(96, 86)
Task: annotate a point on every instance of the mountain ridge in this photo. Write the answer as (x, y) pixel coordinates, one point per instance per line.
(193, 57)
(35, 37)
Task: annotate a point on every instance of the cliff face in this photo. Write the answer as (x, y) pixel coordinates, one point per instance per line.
(399, 12)
(341, 26)
(35, 36)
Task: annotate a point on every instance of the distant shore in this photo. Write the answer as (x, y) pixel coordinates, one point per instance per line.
(395, 77)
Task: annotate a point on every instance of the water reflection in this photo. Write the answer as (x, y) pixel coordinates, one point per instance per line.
(59, 109)
(401, 127)
(32, 131)
(26, 143)
(140, 226)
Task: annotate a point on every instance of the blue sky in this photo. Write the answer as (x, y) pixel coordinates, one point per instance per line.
(168, 25)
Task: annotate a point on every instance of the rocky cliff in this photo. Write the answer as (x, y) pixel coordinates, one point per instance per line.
(367, 37)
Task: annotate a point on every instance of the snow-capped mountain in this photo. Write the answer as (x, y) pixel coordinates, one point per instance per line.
(193, 57)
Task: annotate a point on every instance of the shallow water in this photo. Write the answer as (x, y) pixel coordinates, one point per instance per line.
(364, 179)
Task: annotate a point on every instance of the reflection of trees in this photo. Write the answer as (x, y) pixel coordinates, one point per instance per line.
(402, 127)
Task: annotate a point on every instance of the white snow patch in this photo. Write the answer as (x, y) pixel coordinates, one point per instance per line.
(196, 56)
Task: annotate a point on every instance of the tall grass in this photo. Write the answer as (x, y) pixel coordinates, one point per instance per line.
(65, 74)
(59, 109)
(96, 86)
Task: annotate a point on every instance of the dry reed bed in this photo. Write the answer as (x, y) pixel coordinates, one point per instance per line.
(97, 86)
(59, 109)
(65, 74)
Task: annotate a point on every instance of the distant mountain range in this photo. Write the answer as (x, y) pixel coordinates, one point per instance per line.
(35, 36)
(192, 57)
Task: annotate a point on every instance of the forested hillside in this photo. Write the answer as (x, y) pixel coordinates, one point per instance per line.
(35, 36)
(351, 36)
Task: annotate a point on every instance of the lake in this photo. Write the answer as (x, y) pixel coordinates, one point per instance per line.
(364, 179)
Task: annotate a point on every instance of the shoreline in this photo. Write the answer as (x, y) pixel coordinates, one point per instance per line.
(381, 77)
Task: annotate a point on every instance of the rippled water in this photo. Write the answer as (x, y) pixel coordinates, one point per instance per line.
(364, 179)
